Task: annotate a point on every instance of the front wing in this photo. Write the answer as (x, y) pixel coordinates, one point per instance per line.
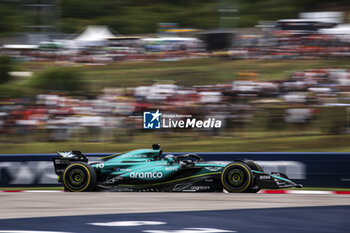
(275, 180)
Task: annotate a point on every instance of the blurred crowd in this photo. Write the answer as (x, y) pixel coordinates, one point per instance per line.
(108, 51)
(274, 44)
(117, 113)
(244, 47)
(289, 46)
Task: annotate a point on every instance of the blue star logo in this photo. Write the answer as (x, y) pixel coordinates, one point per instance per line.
(151, 120)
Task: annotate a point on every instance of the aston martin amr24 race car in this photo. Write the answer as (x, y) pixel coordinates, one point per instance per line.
(149, 170)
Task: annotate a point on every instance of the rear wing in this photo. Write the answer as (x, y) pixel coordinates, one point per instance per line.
(67, 157)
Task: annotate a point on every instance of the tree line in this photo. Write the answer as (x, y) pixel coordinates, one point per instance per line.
(142, 16)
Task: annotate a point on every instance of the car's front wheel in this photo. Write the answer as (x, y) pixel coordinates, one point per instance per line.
(79, 177)
(254, 166)
(236, 177)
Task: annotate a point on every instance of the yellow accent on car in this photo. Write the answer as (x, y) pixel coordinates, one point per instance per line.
(88, 182)
(109, 156)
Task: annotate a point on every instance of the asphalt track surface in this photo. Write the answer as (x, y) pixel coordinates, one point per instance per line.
(173, 212)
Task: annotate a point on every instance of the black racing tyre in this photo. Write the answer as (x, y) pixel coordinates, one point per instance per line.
(79, 177)
(254, 166)
(252, 190)
(236, 177)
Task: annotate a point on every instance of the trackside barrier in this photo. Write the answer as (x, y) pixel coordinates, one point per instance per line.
(310, 169)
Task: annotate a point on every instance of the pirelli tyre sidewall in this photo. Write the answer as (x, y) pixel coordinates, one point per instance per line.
(237, 177)
(254, 166)
(79, 177)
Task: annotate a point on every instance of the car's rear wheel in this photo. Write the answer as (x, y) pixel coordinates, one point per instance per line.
(237, 177)
(79, 177)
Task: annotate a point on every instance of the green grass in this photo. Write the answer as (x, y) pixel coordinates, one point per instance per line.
(189, 142)
(185, 72)
(197, 72)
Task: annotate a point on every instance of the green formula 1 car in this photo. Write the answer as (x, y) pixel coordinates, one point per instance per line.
(148, 170)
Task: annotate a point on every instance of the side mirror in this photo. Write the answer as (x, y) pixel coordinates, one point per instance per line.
(169, 159)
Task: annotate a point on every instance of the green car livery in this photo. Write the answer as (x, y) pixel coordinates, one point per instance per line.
(149, 170)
